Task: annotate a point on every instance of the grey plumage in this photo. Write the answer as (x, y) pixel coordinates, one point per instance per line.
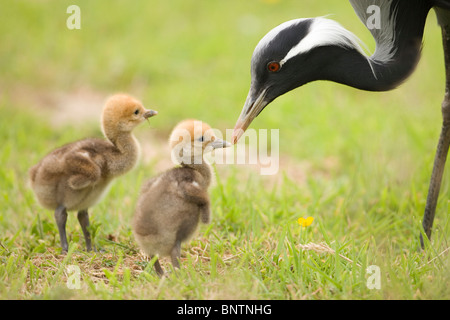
(384, 37)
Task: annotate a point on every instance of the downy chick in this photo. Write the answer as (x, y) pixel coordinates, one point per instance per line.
(75, 176)
(171, 204)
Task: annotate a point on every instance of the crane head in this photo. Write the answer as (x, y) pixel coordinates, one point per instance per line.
(290, 55)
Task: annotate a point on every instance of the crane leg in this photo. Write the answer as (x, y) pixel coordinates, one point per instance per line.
(443, 144)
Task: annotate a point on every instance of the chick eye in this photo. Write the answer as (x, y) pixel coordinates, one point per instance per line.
(201, 139)
(136, 111)
(273, 66)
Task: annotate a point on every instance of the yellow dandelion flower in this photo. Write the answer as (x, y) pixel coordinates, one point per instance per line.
(305, 222)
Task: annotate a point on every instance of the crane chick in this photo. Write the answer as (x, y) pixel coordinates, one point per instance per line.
(172, 204)
(75, 176)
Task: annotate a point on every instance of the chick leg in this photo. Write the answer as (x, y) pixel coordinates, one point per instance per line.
(61, 219)
(175, 255)
(158, 268)
(205, 213)
(83, 218)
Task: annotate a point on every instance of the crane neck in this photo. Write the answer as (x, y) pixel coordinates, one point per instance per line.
(398, 47)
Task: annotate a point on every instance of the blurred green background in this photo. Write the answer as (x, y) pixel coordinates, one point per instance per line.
(360, 161)
(192, 59)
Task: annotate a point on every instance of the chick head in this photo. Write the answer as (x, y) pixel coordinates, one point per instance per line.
(191, 138)
(122, 113)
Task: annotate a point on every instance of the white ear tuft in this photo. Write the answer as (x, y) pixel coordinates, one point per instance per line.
(325, 32)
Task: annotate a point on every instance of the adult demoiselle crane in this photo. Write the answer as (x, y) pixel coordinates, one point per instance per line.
(304, 50)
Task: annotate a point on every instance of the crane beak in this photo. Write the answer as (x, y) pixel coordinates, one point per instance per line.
(250, 111)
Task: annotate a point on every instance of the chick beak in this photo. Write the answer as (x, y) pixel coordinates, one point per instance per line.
(150, 113)
(219, 143)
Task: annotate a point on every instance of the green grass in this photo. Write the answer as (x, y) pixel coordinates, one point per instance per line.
(359, 162)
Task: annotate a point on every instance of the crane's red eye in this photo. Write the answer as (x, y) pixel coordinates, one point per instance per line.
(273, 66)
